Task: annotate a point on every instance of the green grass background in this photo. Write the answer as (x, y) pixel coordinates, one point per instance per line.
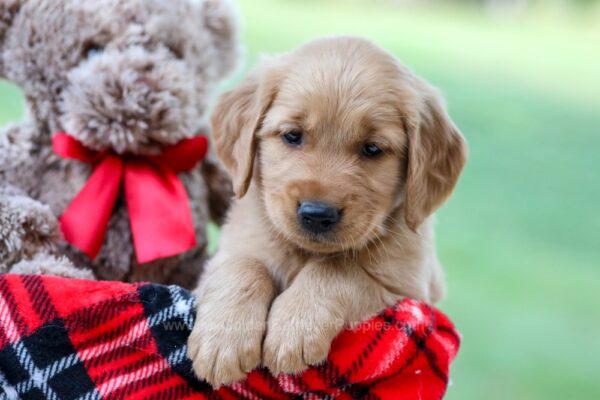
(520, 238)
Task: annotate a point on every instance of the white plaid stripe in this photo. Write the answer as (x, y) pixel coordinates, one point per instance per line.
(46, 374)
(183, 306)
(92, 395)
(179, 307)
(8, 391)
(146, 371)
(390, 357)
(37, 377)
(10, 329)
(177, 356)
(288, 384)
(12, 335)
(240, 388)
(125, 339)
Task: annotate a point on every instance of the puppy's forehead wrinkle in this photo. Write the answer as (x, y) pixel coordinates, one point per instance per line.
(347, 94)
(319, 111)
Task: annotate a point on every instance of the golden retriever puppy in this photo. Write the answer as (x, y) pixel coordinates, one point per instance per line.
(339, 155)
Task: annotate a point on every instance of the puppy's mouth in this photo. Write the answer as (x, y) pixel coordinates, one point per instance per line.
(332, 243)
(318, 243)
(342, 239)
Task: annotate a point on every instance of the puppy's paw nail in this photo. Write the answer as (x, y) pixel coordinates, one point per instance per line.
(283, 352)
(226, 369)
(293, 344)
(223, 353)
(316, 348)
(250, 357)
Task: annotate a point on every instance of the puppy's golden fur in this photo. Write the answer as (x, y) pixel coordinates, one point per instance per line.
(278, 295)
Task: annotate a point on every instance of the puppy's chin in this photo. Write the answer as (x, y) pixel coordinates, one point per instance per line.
(345, 239)
(317, 244)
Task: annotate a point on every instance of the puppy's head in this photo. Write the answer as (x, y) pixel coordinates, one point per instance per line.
(338, 136)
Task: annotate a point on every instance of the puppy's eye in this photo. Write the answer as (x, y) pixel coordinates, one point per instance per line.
(293, 138)
(371, 150)
(91, 49)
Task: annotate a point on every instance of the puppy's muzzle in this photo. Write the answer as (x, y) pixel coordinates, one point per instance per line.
(318, 217)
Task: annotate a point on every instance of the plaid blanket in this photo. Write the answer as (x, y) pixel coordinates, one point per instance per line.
(70, 339)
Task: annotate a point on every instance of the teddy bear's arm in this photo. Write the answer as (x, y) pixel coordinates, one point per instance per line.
(28, 233)
(16, 161)
(27, 227)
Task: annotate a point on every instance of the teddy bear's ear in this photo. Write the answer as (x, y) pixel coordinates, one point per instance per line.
(222, 20)
(8, 11)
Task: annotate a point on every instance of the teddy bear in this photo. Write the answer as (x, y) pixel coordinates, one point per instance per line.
(110, 175)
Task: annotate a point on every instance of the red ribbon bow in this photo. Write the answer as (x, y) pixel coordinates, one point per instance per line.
(159, 211)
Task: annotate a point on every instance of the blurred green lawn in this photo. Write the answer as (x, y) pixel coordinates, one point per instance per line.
(520, 239)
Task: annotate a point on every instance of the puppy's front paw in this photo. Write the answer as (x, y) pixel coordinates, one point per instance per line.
(225, 343)
(299, 334)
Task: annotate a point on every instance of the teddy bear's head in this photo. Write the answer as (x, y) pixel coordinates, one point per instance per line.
(125, 75)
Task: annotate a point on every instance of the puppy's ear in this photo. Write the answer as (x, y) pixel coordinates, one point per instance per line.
(8, 11)
(437, 153)
(222, 20)
(236, 119)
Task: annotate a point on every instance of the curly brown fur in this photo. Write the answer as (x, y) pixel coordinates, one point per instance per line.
(274, 279)
(126, 75)
(44, 263)
(26, 227)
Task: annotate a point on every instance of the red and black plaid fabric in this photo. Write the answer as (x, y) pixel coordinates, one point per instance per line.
(71, 339)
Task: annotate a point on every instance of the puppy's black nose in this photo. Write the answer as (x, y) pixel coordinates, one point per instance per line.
(318, 217)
